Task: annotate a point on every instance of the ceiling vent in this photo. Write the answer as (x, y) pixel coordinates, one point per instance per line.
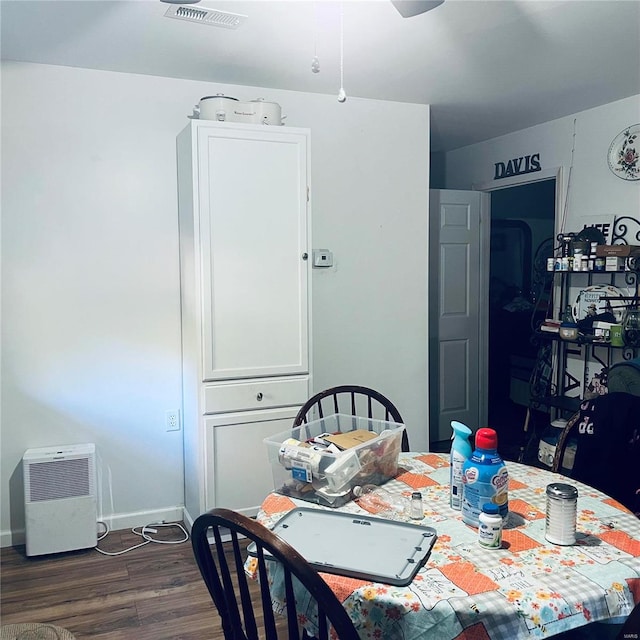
(211, 17)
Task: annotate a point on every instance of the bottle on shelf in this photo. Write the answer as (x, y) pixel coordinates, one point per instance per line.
(485, 479)
(631, 327)
(592, 257)
(577, 260)
(568, 327)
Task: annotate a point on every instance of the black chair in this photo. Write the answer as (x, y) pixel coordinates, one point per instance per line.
(222, 569)
(351, 400)
(607, 430)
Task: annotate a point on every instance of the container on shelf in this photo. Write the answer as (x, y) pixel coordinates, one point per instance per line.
(615, 335)
(568, 331)
(614, 263)
(568, 328)
(631, 328)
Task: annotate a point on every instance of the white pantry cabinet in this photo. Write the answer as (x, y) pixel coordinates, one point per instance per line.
(243, 195)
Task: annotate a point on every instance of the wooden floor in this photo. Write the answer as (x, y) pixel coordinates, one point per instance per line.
(151, 593)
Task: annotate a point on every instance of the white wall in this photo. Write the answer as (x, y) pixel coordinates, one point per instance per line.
(90, 282)
(593, 189)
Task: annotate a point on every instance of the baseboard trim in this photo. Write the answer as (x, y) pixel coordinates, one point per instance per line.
(115, 522)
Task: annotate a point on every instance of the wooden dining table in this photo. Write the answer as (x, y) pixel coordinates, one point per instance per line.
(530, 588)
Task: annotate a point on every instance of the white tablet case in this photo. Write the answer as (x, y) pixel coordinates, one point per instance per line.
(362, 547)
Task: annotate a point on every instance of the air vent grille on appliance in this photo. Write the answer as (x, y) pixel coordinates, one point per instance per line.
(211, 17)
(59, 479)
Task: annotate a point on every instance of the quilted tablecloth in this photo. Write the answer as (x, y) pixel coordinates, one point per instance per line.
(530, 588)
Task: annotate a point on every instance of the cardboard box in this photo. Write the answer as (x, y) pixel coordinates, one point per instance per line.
(614, 263)
(617, 250)
(305, 468)
(350, 439)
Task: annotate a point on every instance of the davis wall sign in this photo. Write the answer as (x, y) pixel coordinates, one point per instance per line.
(517, 166)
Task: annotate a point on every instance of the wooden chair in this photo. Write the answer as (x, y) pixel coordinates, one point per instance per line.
(563, 440)
(607, 430)
(228, 584)
(351, 400)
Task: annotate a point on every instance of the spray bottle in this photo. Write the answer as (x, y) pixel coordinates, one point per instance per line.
(460, 453)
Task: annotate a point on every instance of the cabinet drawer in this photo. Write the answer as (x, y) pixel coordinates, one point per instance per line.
(257, 394)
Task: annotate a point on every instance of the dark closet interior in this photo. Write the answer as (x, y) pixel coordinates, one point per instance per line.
(522, 237)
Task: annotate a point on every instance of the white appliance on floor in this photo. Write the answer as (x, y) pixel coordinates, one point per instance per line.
(60, 501)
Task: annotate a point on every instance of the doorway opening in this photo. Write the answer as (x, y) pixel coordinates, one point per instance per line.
(523, 222)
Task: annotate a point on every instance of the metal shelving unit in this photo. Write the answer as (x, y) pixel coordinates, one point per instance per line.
(555, 390)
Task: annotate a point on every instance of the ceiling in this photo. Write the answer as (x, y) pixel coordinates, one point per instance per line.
(486, 67)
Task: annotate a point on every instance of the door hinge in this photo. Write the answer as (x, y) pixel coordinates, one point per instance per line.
(307, 194)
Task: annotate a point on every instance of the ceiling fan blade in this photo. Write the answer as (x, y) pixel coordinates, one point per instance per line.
(409, 8)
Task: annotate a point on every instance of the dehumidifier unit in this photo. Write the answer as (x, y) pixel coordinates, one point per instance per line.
(60, 501)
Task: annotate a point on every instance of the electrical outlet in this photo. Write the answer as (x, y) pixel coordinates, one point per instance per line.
(172, 420)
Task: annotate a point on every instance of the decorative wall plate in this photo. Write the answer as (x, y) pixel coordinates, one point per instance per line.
(598, 299)
(624, 154)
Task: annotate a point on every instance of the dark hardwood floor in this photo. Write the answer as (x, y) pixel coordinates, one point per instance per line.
(151, 593)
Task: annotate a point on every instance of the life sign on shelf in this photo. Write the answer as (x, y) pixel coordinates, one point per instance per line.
(517, 166)
(603, 223)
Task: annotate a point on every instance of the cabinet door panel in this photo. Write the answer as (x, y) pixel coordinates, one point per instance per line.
(253, 203)
(239, 475)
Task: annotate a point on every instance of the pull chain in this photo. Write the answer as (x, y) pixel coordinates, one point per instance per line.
(315, 62)
(342, 96)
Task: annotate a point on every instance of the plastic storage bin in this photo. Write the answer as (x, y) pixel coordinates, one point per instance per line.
(306, 465)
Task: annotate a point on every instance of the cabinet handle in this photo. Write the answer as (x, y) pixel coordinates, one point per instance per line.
(259, 396)
(305, 256)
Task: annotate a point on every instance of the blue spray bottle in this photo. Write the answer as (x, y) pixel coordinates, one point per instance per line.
(460, 453)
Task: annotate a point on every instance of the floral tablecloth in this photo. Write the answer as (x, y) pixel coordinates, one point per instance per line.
(528, 589)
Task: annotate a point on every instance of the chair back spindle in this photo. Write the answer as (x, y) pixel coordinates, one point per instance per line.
(222, 566)
(354, 400)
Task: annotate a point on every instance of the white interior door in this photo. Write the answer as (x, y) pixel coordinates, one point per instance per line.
(458, 280)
